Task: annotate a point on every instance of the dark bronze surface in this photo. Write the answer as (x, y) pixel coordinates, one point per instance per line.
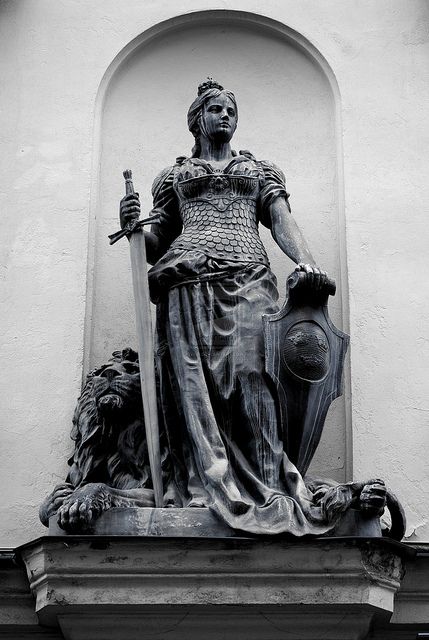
(240, 413)
(304, 357)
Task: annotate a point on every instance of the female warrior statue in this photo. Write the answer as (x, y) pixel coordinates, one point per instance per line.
(211, 282)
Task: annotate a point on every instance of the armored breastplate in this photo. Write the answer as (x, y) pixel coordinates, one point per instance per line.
(219, 211)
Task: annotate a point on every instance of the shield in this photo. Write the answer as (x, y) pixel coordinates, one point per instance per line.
(304, 357)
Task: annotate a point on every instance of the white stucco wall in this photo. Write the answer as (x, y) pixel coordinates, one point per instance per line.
(54, 55)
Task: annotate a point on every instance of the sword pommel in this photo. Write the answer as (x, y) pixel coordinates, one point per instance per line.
(129, 187)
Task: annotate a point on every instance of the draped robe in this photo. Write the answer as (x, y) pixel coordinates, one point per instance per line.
(216, 404)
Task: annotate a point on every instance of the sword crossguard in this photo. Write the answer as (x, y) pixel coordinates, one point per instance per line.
(133, 227)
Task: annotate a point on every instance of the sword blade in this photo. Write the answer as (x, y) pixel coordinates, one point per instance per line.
(146, 359)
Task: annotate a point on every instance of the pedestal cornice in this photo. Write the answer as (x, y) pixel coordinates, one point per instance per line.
(100, 580)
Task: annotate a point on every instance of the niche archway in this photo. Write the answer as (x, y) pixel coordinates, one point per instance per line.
(288, 113)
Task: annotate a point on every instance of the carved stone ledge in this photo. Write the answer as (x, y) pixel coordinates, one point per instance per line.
(18, 619)
(198, 523)
(412, 602)
(112, 587)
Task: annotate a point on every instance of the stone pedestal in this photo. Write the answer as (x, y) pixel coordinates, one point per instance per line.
(112, 588)
(198, 523)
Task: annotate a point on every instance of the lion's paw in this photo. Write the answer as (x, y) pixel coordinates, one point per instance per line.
(54, 501)
(80, 510)
(334, 500)
(372, 499)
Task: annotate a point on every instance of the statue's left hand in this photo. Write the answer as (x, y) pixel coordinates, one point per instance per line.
(315, 277)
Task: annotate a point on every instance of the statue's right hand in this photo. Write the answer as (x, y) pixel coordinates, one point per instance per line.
(129, 209)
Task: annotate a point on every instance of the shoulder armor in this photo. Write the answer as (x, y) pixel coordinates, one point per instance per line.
(163, 180)
(272, 170)
(247, 154)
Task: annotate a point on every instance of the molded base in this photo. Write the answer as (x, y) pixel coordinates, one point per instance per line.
(199, 523)
(101, 588)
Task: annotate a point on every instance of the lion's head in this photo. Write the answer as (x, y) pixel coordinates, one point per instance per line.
(108, 426)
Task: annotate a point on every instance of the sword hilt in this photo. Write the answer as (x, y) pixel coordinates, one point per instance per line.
(134, 226)
(129, 187)
(131, 227)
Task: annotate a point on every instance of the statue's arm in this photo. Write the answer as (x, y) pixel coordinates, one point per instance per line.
(168, 226)
(287, 234)
(154, 248)
(276, 215)
(156, 239)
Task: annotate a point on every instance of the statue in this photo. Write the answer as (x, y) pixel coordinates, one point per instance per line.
(228, 445)
(109, 466)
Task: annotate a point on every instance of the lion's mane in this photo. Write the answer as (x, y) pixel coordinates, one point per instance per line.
(110, 444)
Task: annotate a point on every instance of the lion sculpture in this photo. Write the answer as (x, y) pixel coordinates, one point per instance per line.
(110, 463)
(109, 466)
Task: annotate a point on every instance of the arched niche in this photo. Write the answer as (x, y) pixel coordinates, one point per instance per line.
(288, 113)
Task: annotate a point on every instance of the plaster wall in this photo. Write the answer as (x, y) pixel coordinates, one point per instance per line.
(53, 58)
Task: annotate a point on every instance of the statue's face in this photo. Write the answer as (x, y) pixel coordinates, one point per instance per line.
(219, 119)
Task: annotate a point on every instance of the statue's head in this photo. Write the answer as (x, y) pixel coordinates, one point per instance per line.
(213, 114)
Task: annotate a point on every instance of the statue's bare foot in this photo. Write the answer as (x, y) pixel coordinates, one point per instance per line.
(372, 499)
(197, 501)
(80, 510)
(170, 503)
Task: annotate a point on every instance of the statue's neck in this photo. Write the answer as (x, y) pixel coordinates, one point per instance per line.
(215, 151)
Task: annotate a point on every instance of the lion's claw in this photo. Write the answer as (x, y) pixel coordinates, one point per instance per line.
(83, 506)
(54, 501)
(372, 499)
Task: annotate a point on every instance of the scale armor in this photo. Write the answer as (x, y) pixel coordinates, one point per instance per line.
(219, 216)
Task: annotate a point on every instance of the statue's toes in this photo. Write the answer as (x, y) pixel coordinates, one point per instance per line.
(373, 499)
(73, 515)
(373, 504)
(62, 493)
(85, 514)
(63, 517)
(57, 503)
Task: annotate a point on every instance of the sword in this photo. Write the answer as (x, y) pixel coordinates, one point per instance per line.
(144, 338)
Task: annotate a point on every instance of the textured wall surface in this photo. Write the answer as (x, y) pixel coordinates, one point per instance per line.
(58, 135)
